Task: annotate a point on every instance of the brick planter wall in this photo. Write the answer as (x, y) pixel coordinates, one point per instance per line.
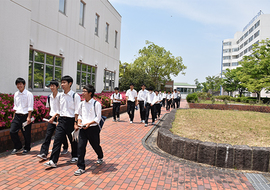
(39, 131)
(221, 155)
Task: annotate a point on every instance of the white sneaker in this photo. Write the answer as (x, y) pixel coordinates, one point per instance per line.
(145, 125)
(100, 161)
(74, 160)
(130, 122)
(79, 172)
(50, 164)
(118, 119)
(143, 121)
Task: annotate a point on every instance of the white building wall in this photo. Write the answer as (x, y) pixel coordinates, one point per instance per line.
(51, 31)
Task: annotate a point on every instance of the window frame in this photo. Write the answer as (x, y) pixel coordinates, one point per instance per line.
(83, 13)
(65, 2)
(111, 80)
(115, 39)
(107, 32)
(91, 74)
(96, 24)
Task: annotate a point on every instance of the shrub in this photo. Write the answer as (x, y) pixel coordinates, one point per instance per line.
(191, 97)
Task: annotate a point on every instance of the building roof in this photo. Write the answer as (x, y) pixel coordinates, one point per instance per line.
(182, 84)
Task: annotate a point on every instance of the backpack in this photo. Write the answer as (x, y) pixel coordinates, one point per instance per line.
(103, 118)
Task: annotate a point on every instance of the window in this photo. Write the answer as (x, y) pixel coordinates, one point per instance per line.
(241, 46)
(251, 29)
(82, 7)
(250, 48)
(234, 63)
(42, 69)
(257, 24)
(245, 51)
(86, 74)
(109, 78)
(226, 64)
(246, 34)
(227, 43)
(226, 50)
(96, 24)
(246, 42)
(115, 40)
(107, 33)
(62, 6)
(237, 42)
(235, 49)
(241, 54)
(257, 34)
(250, 39)
(226, 57)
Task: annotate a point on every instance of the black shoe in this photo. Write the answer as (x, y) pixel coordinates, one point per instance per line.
(25, 152)
(15, 151)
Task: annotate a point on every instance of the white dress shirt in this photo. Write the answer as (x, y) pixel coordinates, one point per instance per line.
(175, 94)
(132, 94)
(87, 113)
(164, 95)
(54, 104)
(142, 95)
(169, 96)
(69, 106)
(117, 96)
(23, 102)
(156, 99)
(150, 98)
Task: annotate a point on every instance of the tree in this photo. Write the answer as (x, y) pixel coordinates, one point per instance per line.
(198, 85)
(256, 68)
(212, 83)
(158, 63)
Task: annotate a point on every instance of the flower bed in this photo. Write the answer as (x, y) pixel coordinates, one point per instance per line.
(40, 111)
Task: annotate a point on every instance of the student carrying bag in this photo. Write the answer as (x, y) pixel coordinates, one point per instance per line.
(103, 118)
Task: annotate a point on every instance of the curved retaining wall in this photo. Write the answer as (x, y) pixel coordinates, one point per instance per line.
(240, 157)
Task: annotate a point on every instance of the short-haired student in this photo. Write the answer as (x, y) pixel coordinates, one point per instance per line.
(53, 103)
(89, 118)
(23, 106)
(67, 122)
(116, 99)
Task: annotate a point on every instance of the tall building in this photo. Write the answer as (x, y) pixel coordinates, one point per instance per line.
(43, 40)
(234, 49)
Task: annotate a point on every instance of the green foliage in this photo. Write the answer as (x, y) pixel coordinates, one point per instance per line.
(224, 97)
(213, 99)
(158, 63)
(256, 68)
(212, 84)
(192, 98)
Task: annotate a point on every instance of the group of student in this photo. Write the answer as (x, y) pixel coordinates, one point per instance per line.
(67, 115)
(149, 100)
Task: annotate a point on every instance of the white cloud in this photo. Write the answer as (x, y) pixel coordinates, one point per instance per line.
(218, 12)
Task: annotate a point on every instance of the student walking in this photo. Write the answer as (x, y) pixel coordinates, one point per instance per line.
(169, 101)
(116, 101)
(141, 98)
(67, 122)
(164, 97)
(179, 98)
(175, 99)
(131, 95)
(157, 101)
(53, 103)
(23, 106)
(149, 106)
(89, 117)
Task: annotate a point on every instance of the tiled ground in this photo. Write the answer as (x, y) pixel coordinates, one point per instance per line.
(128, 165)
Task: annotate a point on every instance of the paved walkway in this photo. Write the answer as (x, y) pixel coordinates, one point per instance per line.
(128, 165)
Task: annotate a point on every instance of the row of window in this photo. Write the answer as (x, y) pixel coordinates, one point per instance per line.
(230, 64)
(249, 31)
(45, 67)
(62, 9)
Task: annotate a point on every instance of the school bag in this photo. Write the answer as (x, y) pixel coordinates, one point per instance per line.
(103, 118)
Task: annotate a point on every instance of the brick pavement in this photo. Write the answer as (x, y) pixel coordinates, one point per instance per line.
(128, 165)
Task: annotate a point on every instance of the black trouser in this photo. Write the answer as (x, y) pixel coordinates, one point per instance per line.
(116, 109)
(90, 134)
(15, 126)
(164, 102)
(49, 133)
(65, 127)
(175, 101)
(158, 109)
(130, 109)
(148, 108)
(179, 100)
(142, 110)
(169, 102)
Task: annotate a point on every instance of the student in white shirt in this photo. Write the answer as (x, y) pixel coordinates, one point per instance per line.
(164, 99)
(157, 100)
(179, 98)
(131, 95)
(23, 106)
(149, 105)
(67, 122)
(169, 101)
(116, 99)
(175, 99)
(53, 102)
(89, 117)
(141, 98)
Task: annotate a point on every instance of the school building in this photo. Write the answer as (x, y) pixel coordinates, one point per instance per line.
(233, 50)
(43, 40)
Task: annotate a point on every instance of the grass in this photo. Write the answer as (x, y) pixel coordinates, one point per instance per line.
(229, 102)
(223, 126)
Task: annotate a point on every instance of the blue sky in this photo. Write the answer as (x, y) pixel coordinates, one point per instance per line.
(192, 29)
